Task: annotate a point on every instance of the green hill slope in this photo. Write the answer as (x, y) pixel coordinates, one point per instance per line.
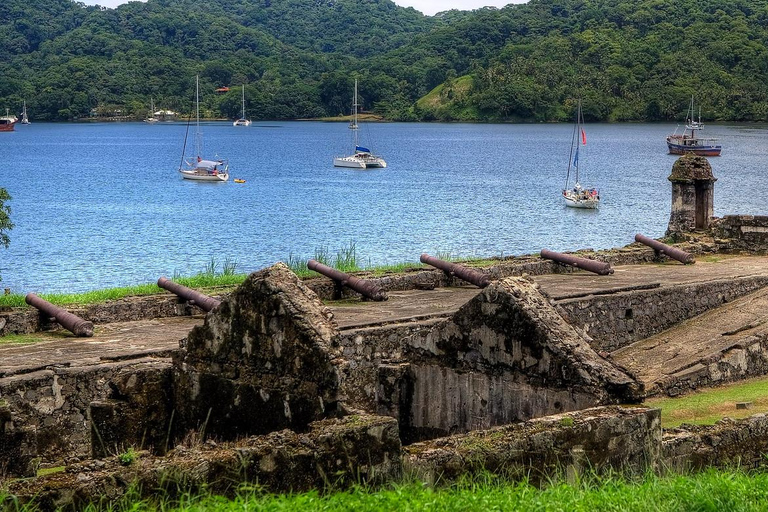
(638, 60)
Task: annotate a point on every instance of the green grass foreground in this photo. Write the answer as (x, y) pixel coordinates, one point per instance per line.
(717, 491)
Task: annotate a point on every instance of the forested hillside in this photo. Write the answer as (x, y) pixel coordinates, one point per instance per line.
(628, 60)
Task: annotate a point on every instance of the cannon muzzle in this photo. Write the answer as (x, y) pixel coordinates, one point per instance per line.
(67, 320)
(662, 248)
(598, 267)
(201, 300)
(362, 286)
(467, 274)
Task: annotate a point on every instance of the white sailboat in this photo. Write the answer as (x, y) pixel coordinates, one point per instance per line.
(362, 157)
(578, 196)
(24, 117)
(197, 168)
(151, 117)
(242, 121)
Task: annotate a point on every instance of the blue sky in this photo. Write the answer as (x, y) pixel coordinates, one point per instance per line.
(428, 7)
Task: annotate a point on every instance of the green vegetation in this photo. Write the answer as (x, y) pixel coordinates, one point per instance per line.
(50, 471)
(25, 339)
(710, 405)
(5, 219)
(636, 61)
(227, 278)
(128, 457)
(734, 491)
(344, 260)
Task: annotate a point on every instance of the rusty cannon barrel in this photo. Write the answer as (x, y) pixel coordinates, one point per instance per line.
(662, 248)
(598, 267)
(460, 271)
(201, 300)
(365, 288)
(67, 320)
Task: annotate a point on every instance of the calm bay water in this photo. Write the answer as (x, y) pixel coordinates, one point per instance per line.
(102, 205)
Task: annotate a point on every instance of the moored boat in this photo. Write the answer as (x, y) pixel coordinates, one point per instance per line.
(24, 117)
(199, 168)
(689, 141)
(243, 121)
(362, 158)
(151, 118)
(7, 122)
(578, 196)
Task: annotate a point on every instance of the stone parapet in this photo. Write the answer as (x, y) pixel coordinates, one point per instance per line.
(615, 439)
(619, 319)
(505, 356)
(265, 359)
(727, 444)
(748, 233)
(46, 414)
(744, 359)
(358, 449)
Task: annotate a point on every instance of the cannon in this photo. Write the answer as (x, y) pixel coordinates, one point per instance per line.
(662, 248)
(471, 276)
(201, 300)
(67, 320)
(365, 288)
(598, 267)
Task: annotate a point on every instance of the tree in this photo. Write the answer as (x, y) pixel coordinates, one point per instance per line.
(5, 218)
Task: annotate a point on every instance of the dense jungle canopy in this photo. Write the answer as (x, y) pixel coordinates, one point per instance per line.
(638, 60)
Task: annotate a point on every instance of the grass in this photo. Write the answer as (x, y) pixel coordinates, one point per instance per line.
(223, 275)
(733, 491)
(708, 406)
(212, 277)
(24, 339)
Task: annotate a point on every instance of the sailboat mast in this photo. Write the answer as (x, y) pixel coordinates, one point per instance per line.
(243, 101)
(198, 137)
(579, 121)
(354, 108)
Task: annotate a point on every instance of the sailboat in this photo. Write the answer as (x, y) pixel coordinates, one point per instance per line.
(197, 168)
(242, 121)
(151, 117)
(24, 118)
(362, 157)
(578, 196)
(689, 142)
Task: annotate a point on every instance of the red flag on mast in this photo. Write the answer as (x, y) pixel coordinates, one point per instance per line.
(583, 137)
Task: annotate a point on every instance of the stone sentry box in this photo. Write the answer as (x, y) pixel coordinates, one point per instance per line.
(693, 190)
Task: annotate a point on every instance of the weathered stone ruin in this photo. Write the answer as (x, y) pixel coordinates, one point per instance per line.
(505, 356)
(536, 376)
(693, 191)
(264, 360)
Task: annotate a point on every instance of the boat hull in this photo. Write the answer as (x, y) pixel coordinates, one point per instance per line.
(242, 122)
(360, 162)
(7, 127)
(586, 204)
(204, 175)
(581, 198)
(696, 149)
